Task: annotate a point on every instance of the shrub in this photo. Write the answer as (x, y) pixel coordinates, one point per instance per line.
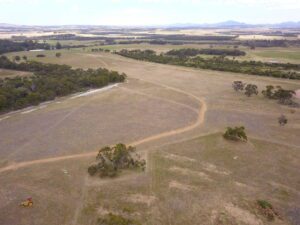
(40, 56)
(112, 219)
(238, 85)
(235, 134)
(58, 54)
(282, 120)
(267, 209)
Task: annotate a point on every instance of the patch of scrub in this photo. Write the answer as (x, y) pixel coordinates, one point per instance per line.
(242, 215)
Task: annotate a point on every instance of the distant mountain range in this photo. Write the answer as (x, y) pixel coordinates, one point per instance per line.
(236, 24)
(226, 24)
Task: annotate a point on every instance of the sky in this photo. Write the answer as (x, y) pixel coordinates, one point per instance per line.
(146, 12)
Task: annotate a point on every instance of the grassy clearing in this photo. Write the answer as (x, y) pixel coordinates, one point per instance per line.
(12, 73)
(207, 182)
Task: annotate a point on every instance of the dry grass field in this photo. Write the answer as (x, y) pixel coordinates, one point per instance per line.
(12, 73)
(175, 116)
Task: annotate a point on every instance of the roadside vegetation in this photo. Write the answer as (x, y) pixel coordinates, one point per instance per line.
(220, 63)
(48, 82)
(111, 160)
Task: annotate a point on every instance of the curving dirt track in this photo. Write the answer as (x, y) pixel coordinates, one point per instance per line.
(200, 119)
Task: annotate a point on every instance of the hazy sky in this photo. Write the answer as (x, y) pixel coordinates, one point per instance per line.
(146, 12)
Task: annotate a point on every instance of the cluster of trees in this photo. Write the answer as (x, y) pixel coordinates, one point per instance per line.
(235, 134)
(209, 51)
(279, 70)
(100, 50)
(47, 82)
(111, 160)
(12, 46)
(278, 93)
(250, 89)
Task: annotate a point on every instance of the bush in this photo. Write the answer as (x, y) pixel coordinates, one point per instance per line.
(112, 219)
(282, 120)
(238, 85)
(40, 56)
(267, 209)
(111, 160)
(235, 134)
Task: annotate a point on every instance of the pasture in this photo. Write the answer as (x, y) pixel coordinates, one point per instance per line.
(175, 116)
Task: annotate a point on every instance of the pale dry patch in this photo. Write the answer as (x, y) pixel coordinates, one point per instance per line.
(242, 215)
(140, 198)
(187, 172)
(184, 187)
(214, 169)
(179, 158)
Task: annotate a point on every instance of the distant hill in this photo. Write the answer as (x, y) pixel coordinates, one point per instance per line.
(225, 24)
(236, 24)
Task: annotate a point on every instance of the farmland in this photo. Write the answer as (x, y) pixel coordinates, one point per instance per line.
(175, 116)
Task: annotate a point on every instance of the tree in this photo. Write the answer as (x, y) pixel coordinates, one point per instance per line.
(238, 85)
(251, 89)
(268, 93)
(58, 54)
(24, 57)
(58, 45)
(282, 120)
(110, 160)
(235, 134)
(17, 58)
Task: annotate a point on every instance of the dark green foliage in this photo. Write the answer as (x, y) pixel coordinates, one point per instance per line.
(58, 54)
(24, 57)
(279, 70)
(47, 82)
(278, 93)
(40, 56)
(11, 46)
(111, 160)
(112, 219)
(235, 134)
(193, 52)
(264, 204)
(238, 85)
(251, 89)
(58, 45)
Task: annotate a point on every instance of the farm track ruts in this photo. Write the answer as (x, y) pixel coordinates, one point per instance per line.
(200, 119)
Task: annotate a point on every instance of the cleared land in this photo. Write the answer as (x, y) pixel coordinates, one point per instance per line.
(193, 176)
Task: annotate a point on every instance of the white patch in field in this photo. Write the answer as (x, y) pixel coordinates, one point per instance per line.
(94, 91)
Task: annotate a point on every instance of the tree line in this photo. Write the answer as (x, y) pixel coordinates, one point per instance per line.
(11, 46)
(185, 52)
(48, 82)
(279, 70)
